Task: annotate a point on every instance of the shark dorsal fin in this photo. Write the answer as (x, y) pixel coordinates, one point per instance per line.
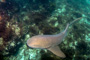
(56, 50)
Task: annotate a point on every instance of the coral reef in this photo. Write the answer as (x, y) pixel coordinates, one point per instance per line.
(8, 31)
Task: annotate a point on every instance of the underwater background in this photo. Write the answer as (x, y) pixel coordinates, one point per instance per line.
(22, 19)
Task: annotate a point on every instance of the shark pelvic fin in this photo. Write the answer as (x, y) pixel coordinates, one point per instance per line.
(56, 50)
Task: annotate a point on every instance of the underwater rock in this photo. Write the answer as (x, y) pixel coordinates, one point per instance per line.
(7, 33)
(20, 20)
(26, 54)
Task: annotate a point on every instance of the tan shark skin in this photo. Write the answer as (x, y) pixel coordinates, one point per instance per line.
(50, 42)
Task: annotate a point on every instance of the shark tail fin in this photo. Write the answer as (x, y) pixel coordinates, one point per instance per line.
(75, 20)
(71, 23)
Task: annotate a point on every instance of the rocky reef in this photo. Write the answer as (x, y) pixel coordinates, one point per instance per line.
(20, 20)
(9, 29)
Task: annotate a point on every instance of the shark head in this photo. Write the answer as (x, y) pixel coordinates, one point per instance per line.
(36, 42)
(32, 43)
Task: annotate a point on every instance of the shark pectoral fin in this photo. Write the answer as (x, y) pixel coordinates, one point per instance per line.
(56, 50)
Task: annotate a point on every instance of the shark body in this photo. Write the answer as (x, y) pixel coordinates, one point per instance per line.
(50, 42)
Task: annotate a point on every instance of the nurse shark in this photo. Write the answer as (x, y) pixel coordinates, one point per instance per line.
(50, 42)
